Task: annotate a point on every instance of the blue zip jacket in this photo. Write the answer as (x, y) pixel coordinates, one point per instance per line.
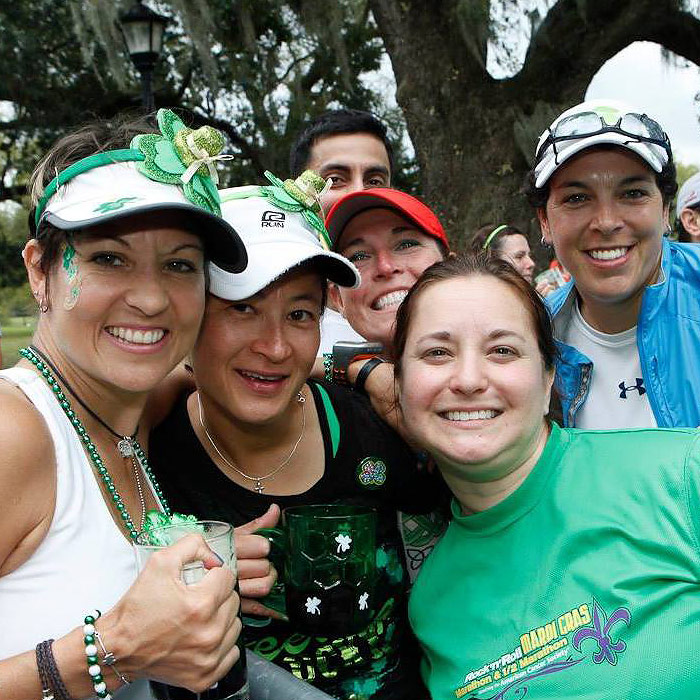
(668, 340)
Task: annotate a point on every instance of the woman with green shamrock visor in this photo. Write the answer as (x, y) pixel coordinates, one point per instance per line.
(123, 224)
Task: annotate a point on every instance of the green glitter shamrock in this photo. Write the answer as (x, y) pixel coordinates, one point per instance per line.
(300, 195)
(185, 157)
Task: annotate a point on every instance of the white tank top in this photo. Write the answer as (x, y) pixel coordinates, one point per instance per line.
(84, 562)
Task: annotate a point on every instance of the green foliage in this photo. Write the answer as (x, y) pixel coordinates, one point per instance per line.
(16, 301)
(16, 333)
(257, 69)
(683, 172)
(13, 234)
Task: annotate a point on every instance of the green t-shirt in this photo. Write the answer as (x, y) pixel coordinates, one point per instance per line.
(584, 583)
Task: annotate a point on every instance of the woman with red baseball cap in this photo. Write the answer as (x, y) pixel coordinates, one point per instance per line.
(391, 237)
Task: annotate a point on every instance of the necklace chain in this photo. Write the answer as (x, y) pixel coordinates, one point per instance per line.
(138, 458)
(125, 442)
(257, 479)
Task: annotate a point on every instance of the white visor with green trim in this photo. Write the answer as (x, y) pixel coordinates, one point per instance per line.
(117, 190)
(277, 240)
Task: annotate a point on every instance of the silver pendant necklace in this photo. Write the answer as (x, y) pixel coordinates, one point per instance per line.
(258, 485)
(125, 443)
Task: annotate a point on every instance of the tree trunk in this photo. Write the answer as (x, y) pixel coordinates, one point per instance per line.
(475, 136)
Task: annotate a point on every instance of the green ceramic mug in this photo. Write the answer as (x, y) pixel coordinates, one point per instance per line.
(325, 556)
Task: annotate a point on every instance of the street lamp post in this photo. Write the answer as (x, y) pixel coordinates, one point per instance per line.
(143, 30)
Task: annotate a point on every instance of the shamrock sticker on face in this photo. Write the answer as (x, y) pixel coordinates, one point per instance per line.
(70, 266)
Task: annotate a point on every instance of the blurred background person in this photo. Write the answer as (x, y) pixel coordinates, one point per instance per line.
(688, 210)
(507, 243)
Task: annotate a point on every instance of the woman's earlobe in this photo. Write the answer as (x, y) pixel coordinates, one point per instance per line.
(32, 254)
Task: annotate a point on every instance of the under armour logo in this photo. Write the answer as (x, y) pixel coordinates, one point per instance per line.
(637, 386)
(272, 219)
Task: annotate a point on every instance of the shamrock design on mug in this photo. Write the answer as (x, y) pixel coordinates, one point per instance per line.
(344, 542)
(313, 605)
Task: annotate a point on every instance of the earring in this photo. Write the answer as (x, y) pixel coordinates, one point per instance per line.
(544, 243)
(41, 303)
(300, 398)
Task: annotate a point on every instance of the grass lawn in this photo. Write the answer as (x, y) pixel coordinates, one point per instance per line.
(16, 333)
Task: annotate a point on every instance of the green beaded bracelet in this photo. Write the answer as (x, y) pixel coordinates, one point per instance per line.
(93, 665)
(328, 366)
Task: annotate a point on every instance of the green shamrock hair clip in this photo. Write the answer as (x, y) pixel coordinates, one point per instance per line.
(183, 156)
(302, 195)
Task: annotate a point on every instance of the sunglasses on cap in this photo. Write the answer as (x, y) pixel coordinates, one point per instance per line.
(639, 128)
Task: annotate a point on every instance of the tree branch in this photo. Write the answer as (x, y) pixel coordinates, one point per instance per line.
(186, 80)
(679, 32)
(577, 38)
(437, 32)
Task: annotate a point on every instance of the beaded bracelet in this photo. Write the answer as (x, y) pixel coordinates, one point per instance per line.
(328, 366)
(93, 664)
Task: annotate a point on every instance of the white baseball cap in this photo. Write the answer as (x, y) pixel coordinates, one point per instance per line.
(277, 240)
(689, 194)
(117, 190)
(600, 122)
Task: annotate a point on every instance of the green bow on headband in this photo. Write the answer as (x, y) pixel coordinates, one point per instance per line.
(176, 156)
(185, 157)
(302, 195)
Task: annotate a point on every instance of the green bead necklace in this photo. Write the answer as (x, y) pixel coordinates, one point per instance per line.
(93, 454)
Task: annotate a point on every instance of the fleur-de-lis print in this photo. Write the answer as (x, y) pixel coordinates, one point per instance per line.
(600, 632)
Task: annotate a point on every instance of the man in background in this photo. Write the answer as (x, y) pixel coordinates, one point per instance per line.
(349, 146)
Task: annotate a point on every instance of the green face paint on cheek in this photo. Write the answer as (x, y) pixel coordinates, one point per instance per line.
(70, 266)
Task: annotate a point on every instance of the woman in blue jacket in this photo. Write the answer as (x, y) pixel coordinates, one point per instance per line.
(628, 323)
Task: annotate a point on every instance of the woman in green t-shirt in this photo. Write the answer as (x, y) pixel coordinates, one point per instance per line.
(570, 568)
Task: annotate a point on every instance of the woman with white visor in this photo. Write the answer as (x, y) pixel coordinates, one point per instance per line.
(628, 323)
(122, 223)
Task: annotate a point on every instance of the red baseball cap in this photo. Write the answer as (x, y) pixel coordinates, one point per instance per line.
(383, 198)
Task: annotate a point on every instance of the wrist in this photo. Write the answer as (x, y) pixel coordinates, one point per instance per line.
(69, 655)
(359, 378)
(346, 353)
(116, 638)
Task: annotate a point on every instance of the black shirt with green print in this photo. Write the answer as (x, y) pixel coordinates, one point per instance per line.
(366, 463)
